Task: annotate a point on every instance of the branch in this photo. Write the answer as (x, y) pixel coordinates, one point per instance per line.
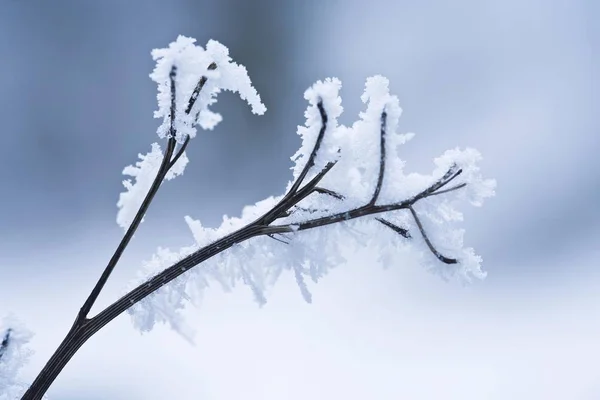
(179, 152)
(191, 102)
(381, 158)
(288, 200)
(329, 192)
(462, 185)
(85, 328)
(165, 165)
(308, 210)
(198, 88)
(440, 257)
(443, 181)
(173, 109)
(279, 240)
(370, 208)
(399, 230)
(311, 159)
(263, 225)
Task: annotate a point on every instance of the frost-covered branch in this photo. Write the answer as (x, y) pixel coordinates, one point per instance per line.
(322, 195)
(127, 203)
(381, 173)
(370, 208)
(348, 190)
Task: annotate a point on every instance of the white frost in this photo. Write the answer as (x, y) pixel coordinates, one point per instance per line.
(13, 357)
(192, 62)
(144, 172)
(258, 263)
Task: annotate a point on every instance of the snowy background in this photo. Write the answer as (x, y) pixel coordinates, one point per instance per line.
(517, 80)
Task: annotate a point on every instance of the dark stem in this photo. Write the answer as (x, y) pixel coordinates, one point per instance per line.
(462, 185)
(283, 206)
(329, 192)
(198, 89)
(443, 181)
(381, 158)
(399, 230)
(160, 175)
(279, 240)
(440, 257)
(179, 152)
(311, 159)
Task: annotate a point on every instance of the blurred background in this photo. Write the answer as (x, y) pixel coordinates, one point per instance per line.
(518, 80)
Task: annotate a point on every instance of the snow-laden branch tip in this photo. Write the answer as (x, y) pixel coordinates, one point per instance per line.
(192, 63)
(188, 77)
(14, 354)
(348, 182)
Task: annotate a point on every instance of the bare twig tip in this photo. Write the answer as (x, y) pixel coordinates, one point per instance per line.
(401, 231)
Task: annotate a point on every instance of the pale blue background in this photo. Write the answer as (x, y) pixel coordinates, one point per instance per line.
(517, 80)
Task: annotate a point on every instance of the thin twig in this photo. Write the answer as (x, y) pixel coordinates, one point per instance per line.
(179, 152)
(462, 185)
(329, 192)
(439, 256)
(163, 169)
(173, 108)
(401, 231)
(279, 240)
(448, 177)
(382, 135)
(198, 89)
(311, 158)
(294, 197)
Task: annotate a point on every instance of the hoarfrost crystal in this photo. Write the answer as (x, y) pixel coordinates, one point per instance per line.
(14, 354)
(192, 62)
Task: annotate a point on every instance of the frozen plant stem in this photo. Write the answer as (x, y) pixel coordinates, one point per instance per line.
(84, 327)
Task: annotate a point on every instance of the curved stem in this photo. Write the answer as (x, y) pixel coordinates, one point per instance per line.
(439, 256)
(382, 134)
